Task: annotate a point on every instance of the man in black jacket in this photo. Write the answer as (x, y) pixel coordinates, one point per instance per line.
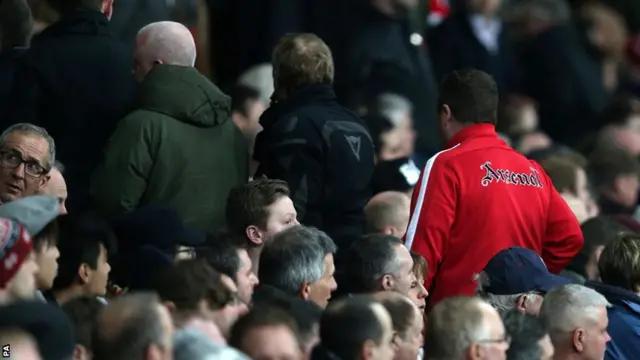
(322, 150)
(76, 82)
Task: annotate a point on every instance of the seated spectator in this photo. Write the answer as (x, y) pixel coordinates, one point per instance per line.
(86, 242)
(21, 343)
(419, 294)
(83, 313)
(407, 324)
(577, 320)
(615, 177)
(191, 289)
(299, 262)
(56, 186)
(220, 254)
(257, 211)
(379, 263)
(517, 278)
(267, 333)
(355, 328)
(179, 114)
(18, 276)
(465, 328)
(571, 182)
(47, 324)
(619, 266)
(29, 145)
(598, 232)
(38, 214)
(190, 344)
(529, 337)
(133, 326)
(388, 213)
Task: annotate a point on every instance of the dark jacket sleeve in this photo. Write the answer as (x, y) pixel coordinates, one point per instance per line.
(291, 150)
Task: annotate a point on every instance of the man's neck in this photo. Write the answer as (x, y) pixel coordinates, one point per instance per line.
(566, 355)
(254, 255)
(62, 296)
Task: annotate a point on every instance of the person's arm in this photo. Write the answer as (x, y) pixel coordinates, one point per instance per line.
(433, 210)
(121, 179)
(293, 153)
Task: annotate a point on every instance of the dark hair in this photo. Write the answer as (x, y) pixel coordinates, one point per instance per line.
(247, 204)
(620, 109)
(220, 254)
(606, 165)
(420, 265)
(402, 311)
(525, 331)
(472, 96)
(563, 173)
(15, 17)
(378, 125)
(47, 237)
(241, 95)
(186, 283)
(261, 316)
(127, 327)
(347, 324)
(510, 113)
(366, 261)
(63, 6)
(83, 312)
(619, 262)
(81, 239)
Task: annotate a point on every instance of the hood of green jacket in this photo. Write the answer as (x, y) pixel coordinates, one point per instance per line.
(184, 94)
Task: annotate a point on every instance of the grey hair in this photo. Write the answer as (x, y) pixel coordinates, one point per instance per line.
(570, 306)
(31, 129)
(293, 257)
(259, 77)
(502, 303)
(170, 41)
(394, 107)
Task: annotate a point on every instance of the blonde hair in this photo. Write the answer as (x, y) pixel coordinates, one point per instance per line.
(300, 60)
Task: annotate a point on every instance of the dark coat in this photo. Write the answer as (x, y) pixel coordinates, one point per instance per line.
(75, 81)
(325, 154)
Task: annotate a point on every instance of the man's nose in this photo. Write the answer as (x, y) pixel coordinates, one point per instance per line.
(18, 171)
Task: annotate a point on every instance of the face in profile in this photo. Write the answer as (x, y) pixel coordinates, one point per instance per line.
(23, 284)
(47, 261)
(23, 166)
(99, 277)
(282, 215)
(408, 344)
(246, 279)
(405, 277)
(57, 188)
(320, 291)
(384, 349)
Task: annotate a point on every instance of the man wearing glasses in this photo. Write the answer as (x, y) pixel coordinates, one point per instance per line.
(27, 153)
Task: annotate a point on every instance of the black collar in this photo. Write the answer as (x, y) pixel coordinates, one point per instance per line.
(309, 95)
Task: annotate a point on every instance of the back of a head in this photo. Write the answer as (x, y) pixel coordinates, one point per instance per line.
(386, 209)
(259, 77)
(347, 324)
(261, 316)
(190, 344)
(169, 42)
(619, 263)
(220, 253)
(471, 95)
(128, 326)
(605, 165)
(20, 342)
(401, 309)
(525, 331)
(452, 326)
(301, 60)
(568, 307)
(367, 260)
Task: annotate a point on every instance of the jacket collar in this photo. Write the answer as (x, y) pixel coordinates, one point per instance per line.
(616, 295)
(313, 94)
(473, 131)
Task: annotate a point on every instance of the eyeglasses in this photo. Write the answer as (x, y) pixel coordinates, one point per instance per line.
(505, 340)
(12, 159)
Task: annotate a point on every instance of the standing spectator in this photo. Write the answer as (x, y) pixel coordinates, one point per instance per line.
(85, 245)
(18, 276)
(529, 337)
(246, 109)
(462, 325)
(28, 145)
(480, 188)
(299, 261)
(56, 186)
(179, 146)
(257, 211)
(76, 82)
(134, 326)
(619, 268)
(388, 213)
(313, 143)
(577, 320)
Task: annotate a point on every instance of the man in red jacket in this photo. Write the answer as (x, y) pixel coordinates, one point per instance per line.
(479, 196)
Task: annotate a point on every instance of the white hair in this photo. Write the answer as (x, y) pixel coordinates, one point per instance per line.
(167, 40)
(259, 77)
(571, 306)
(394, 107)
(502, 303)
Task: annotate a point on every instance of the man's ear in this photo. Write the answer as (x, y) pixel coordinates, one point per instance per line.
(305, 290)
(84, 273)
(254, 235)
(476, 352)
(521, 303)
(80, 353)
(171, 307)
(389, 230)
(44, 180)
(578, 339)
(368, 350)
(387, 283)
(107, 8)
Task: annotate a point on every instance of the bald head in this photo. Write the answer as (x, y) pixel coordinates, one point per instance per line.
(388, 213)
(56, 187)
(164, 42)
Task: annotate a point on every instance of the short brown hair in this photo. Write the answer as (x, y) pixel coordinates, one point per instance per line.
(472, 96)
(302, 59)
(563, 173)
(605, 165)
(247, 204)
(420, 266)
(402, 312)
(619, 262)
(262, 316)
(186, 283)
